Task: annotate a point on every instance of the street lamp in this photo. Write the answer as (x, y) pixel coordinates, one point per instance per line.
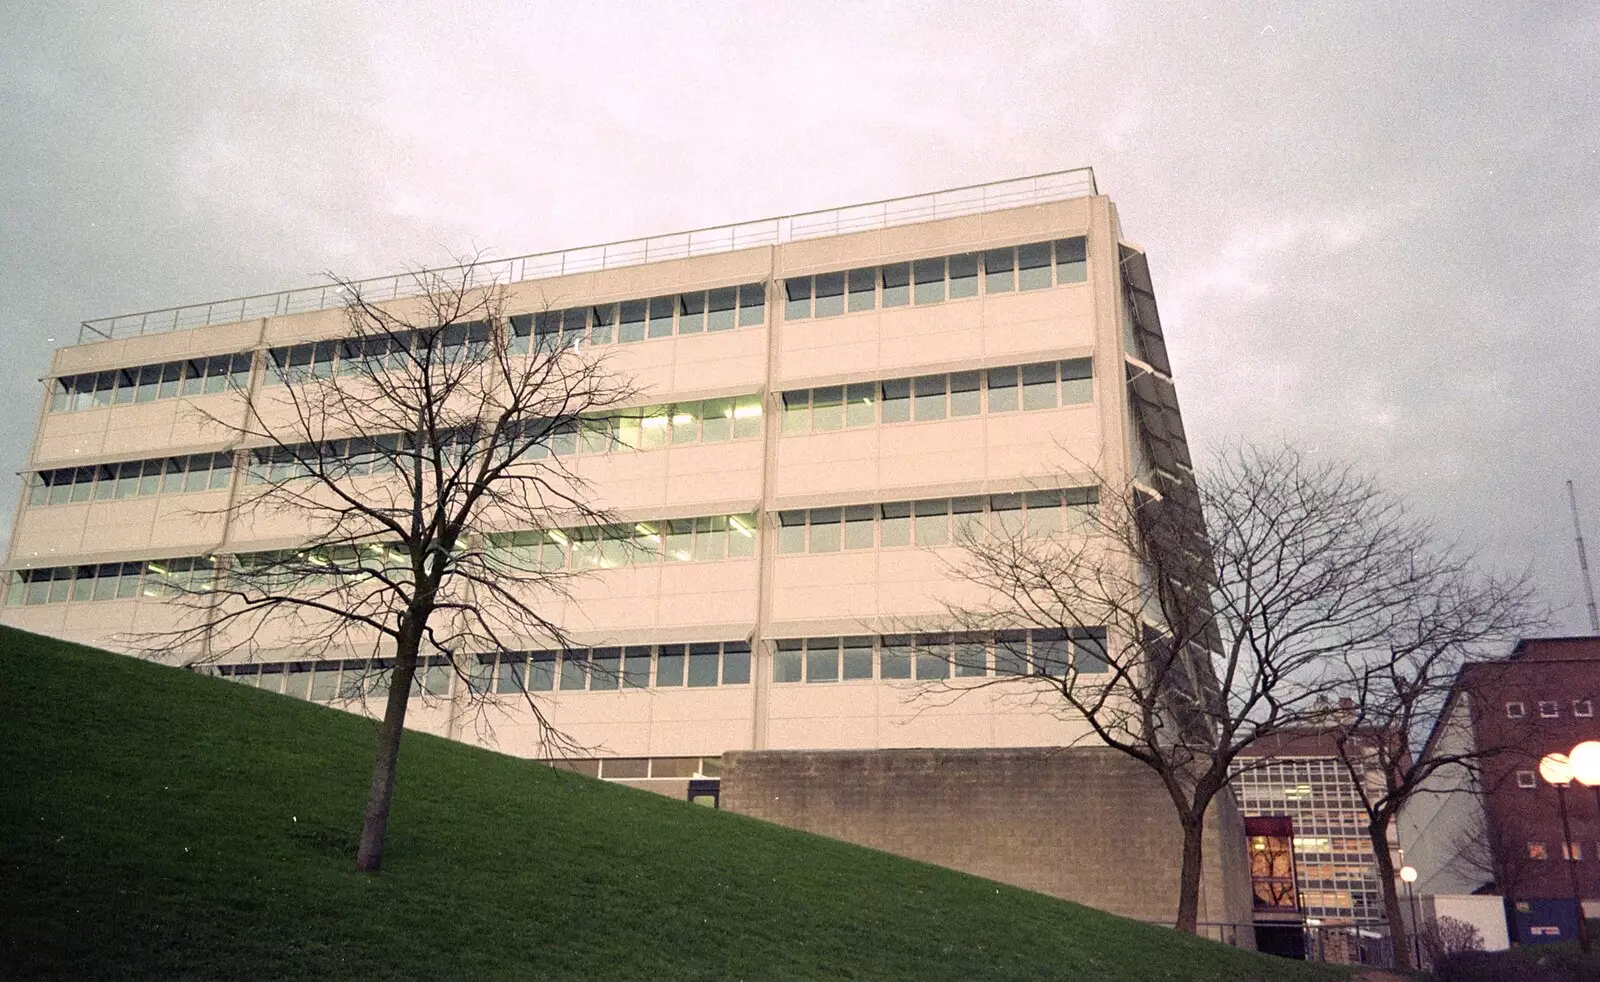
(1409, 875)
(1557, 769)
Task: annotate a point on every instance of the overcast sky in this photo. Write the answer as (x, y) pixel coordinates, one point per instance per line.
(1374, 230)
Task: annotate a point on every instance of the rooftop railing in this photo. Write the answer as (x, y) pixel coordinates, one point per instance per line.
(970, 200)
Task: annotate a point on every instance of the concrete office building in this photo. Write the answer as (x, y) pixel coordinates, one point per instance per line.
(838, 392)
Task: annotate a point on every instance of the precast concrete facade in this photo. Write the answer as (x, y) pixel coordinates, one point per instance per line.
(836, 395)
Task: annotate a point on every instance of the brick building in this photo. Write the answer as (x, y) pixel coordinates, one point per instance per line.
(1501, 833)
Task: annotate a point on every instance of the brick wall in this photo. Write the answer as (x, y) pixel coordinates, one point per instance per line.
(1085, 824)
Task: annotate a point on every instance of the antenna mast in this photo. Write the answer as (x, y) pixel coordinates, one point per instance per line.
(1583, 562)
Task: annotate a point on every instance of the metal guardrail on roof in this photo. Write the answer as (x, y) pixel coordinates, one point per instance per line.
(971, 200)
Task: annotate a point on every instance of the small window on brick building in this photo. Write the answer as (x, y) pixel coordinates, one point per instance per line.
(1526, 779)
(1572, 850)
(1549, 710)
(1536, 850)
(1516, 710)
(1582, 707)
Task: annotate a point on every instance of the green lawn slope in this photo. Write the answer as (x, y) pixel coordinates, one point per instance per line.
(160, 824)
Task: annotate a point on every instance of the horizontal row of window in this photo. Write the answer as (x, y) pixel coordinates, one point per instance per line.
(1551, 709)
(111, 581)
(934, 522)
(707, 539)
(133, 479)
(700, 312)
(630, 320)
(1035, 266)
(683, 540)
(712, 538)
(697, 665)
(927, 657)
(147, 383)
(1029, 267)
(653, 427)
(1572, 851)
(1044, 385)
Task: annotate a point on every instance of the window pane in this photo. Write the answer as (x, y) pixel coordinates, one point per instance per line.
(968, 518)
(858, 526)
(716, 422)
(933, 522)
(602, 323)
(1089, 650)
(895, 657)
(827, 408)
(863, 286)
(1033, 266)
(829, 300)
(822, 660)
(670, 662)
(933, 657)
(861, 404)
(963, 276)
(692, 312)
(896, 398)
(999, 271)
(786, 662)
(1050, 653)
(1011, 653)
(930, 280)
(896, 284)
(857, 658)
(661, 309)
(825, 529)
(636, 666)
(736, 663)
(1071, 264)
(631, 327)
(1006, 512)
(791, 531)
(895, 526)
(1077, 385)
(797, 292)
(746, 417)
(680, 540)
(127, 386)
(686, 422)
(711, 538)
(797, 411)
(542, 671)
(1039, 386)
(1044, 512)
(741, 536)
(605, 668)
(703, 661)
(512, 674)
(930, 399)
(1002, 390)
(971, 656)
(721, 306)
(574, 670)
(752, 304)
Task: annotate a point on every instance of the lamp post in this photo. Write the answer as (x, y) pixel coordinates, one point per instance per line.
(1557, 769)
(1409, 875)
(1585, 761)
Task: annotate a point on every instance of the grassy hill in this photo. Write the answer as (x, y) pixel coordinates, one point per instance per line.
(160, 824)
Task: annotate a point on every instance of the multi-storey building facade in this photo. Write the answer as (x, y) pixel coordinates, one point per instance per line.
(826, 401)
(1499, 830)
(1299, 775)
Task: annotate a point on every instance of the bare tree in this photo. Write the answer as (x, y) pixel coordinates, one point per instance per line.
(414, 466)
(1452, 614)
(1228, 602)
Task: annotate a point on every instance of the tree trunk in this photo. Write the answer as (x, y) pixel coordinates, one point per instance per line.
(1378, 835)
(1194, 829)
(375, 823)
